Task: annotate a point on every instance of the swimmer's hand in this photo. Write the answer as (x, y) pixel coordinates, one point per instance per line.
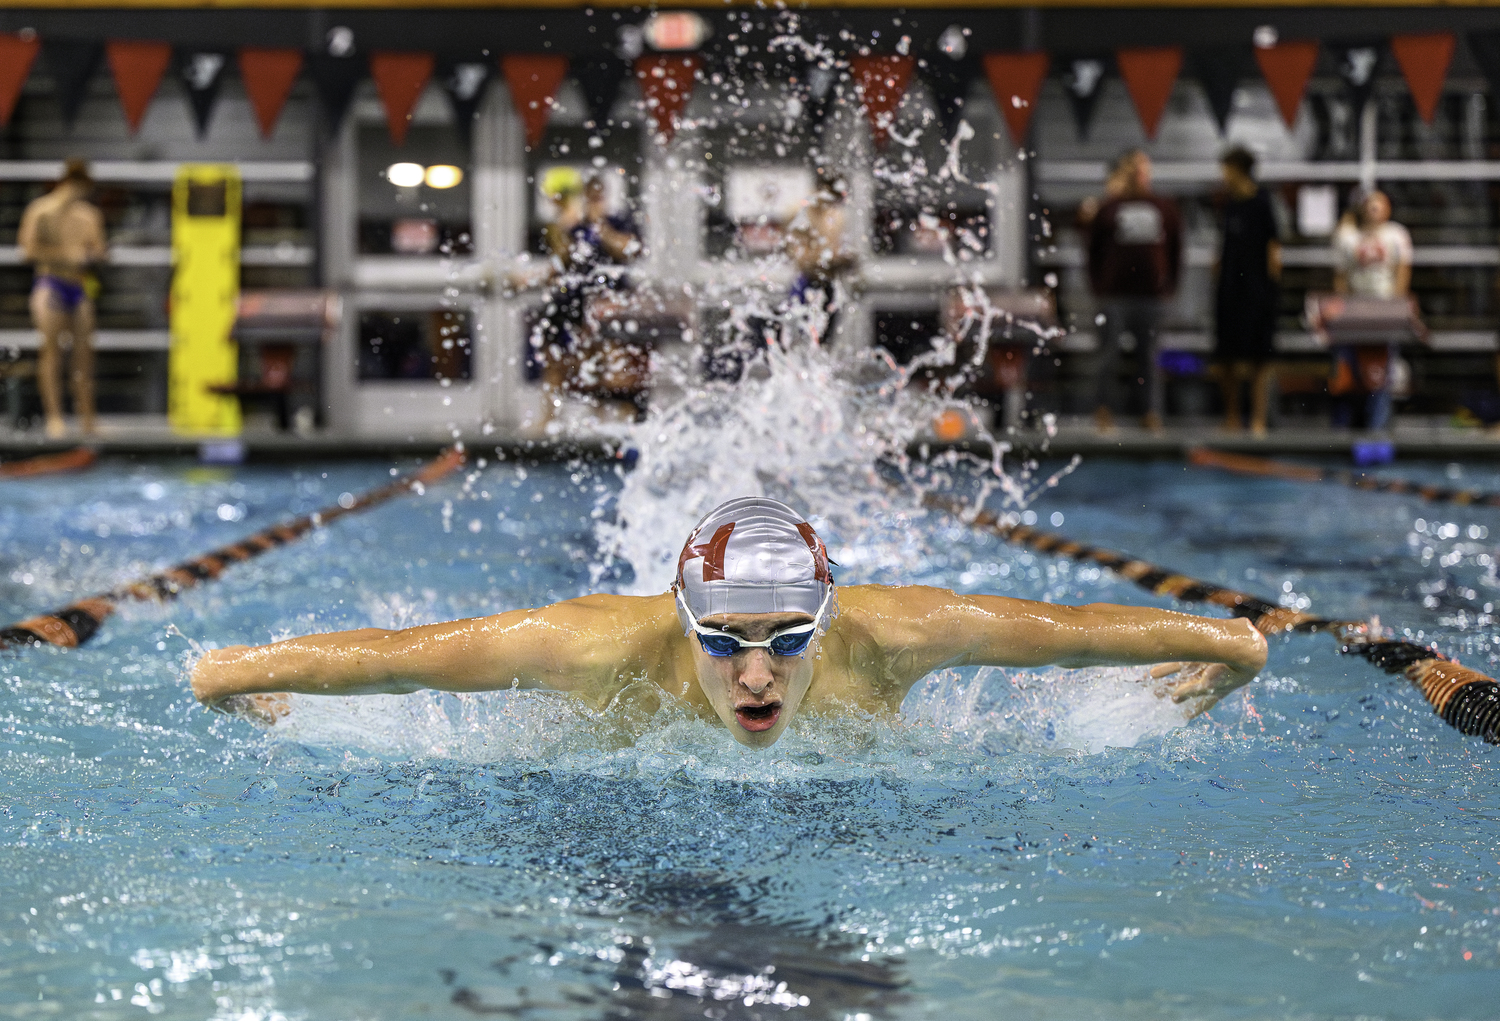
(262, 709)
(212, 687)
(1202, 684)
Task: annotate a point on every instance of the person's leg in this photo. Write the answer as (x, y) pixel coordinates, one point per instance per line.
(1378, 406)
(1260, 397)
(1343, 386)
(1229, 388)
(1107, 364)
(83, 365)
(49, 322)
(1144, 324)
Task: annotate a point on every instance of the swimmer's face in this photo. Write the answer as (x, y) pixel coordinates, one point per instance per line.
(754, 692)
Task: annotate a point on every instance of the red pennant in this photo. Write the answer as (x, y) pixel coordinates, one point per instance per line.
(1150, 72)
(269, 76)
(137, 68)
(400, 79)
(1016, 79)
(666, 83)
(1424, 61)
(16, 55)
(533, 79)
(1286, 67)
(881, 82)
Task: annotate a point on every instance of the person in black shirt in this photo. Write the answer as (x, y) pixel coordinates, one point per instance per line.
(1245, 306)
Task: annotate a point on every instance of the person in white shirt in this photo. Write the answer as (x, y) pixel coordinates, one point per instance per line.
(1372, 258)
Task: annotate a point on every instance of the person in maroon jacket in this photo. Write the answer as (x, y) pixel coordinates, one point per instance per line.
(1135, 255)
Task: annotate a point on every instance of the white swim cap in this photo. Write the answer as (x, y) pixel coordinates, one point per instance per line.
(754, 555)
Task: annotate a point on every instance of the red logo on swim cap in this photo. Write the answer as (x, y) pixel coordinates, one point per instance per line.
(712, 554)
(819, 552)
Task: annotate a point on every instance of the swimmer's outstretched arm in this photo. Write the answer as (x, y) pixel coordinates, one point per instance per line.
(583, 646)
(1202, 658)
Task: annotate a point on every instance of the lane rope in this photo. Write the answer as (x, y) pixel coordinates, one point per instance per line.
(1466, 699)
(1264, 467)
(77, 623)
(49, 464)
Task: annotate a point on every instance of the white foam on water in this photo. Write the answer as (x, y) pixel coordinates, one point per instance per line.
(1089, 710)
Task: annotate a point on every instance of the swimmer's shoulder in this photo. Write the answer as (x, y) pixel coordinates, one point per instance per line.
(607, 609)
(880, 608)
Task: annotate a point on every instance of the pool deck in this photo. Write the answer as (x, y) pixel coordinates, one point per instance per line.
(1414, 438)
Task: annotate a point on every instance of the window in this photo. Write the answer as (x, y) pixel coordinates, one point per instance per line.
(417, 344)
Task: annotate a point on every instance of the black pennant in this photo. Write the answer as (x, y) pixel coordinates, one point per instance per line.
(335, 79)
(1357, 63)
(1083, 80)
(949, 81)
(1219, 69)
(465, 82)
(72, 66)
(1486, 49)
(201, 73)
(600, 75)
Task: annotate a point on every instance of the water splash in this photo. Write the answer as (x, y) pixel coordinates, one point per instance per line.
(842, 441)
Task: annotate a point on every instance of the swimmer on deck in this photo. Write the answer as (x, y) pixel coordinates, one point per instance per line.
(750, 632)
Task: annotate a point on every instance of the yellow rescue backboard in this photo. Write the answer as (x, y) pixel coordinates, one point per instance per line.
(205, 296)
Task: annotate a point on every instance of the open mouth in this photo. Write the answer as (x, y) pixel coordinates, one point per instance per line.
(756, 718)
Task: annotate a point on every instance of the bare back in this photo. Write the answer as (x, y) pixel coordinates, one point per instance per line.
(62, 233)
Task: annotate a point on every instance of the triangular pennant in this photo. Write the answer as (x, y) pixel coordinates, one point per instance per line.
(16, 57)
(1016, 79)
(666, 81)
(464, 82)
(1150, 74)
(1287, 67)
(1486, 49)
(202, 73)
(1356, 63)
(400, 77)
(533, 79)
(72, 66)
(1219, 70)
(881, 81)
(269, 75)
(137, 68)
(335, 79)
(600, 75)
(1424, 61)
(949, 80)
(1083, 81)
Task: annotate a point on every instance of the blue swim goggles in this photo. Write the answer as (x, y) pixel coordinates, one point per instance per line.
(791, 641)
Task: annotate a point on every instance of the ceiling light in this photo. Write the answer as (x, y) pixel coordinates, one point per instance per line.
(404, 175)
(443, 176)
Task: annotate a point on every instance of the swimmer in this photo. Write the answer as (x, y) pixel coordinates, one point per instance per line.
(62, 235)
(752, 631)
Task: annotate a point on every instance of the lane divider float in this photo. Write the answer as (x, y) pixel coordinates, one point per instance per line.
(1264, 467)
(75, 624)
(49, 464)
(1466, 699)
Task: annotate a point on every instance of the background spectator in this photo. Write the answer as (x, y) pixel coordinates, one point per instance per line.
(1372, 258)
(62, 235)
(1135, 256)
(1246, 298)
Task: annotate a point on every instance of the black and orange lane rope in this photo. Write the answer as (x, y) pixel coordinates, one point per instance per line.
(1466, 699)
(1264, 467)
(48, 464)
(75, 624)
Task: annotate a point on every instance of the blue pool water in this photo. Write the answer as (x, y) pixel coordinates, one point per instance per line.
(1033, 845)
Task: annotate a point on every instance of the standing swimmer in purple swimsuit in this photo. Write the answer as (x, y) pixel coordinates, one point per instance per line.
(61, 234)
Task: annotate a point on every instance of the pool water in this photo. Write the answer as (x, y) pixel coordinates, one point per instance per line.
(1052, 844)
